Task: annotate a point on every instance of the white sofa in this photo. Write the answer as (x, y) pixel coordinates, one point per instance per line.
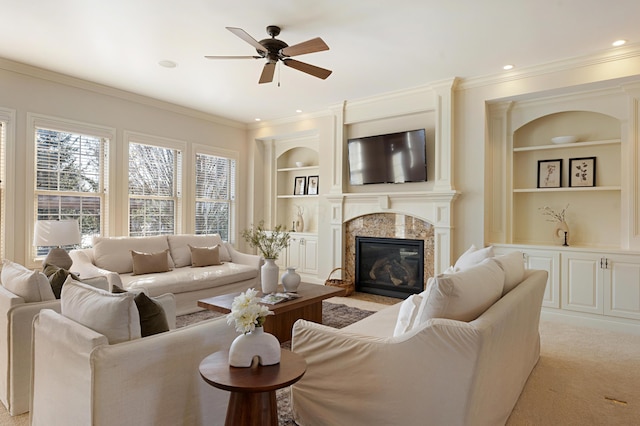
(80, 379)
(111, 257)
(442, 372)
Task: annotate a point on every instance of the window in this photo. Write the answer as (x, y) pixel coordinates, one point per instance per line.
(70, 176)
(215, 195)
(154, 189)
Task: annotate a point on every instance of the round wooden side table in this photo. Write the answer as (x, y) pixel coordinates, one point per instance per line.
(253, 389)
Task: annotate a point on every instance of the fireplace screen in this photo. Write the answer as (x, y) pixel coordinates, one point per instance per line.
(389, 266)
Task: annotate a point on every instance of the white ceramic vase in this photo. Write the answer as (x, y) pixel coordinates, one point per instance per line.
(299, 223)
(255, 343)
(561, 233)
(290, 280)
(269, 276)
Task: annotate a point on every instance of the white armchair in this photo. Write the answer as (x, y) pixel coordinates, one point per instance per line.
(80, 379)
(16, 318)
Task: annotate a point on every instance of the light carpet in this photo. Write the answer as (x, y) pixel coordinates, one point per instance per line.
(585, 376)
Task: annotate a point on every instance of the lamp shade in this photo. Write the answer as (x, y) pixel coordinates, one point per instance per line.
(56, 233)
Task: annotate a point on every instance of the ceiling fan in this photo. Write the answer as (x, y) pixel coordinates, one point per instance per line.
(275, 50)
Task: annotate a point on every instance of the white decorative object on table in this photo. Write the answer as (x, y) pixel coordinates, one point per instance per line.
(291, 280)
(269, 276)
(270, 244)
(248, 316)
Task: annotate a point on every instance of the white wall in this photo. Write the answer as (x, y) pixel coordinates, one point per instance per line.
(29, 90)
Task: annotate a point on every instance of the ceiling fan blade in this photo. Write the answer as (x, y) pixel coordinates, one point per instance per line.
(309, 46)
(308, 68)
(233, 57)
(246, 37)
(267, 73)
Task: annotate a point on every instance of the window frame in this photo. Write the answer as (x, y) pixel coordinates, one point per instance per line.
(7, 168)
(38, 121)
(179, 196)
(233, 204)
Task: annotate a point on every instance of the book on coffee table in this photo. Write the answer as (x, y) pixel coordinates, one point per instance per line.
(273, 298)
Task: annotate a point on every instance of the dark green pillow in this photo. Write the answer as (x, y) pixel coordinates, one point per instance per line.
(152, 317)
(153, 320)
(57, 276)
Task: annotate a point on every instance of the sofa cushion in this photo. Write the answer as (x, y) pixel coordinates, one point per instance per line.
(182, 280)
(153, 319)
(513, 266)
(32, 286)
(114, 253)
(205, 256)
(462, 296)
(57, 276)
(113, 315)
(181, 254)
(472, 257)
(148, 263)
(407, 315)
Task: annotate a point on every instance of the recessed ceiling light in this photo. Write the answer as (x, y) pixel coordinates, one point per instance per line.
(298, 111)
(507, 67)
(257, 119)
(167, 64)
(618, 43)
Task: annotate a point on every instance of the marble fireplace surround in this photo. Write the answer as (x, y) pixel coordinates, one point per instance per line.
(415, 215)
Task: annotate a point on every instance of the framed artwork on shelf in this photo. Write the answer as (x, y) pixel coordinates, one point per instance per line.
(582, 171)
(549, 173)
(299, 185)
(312, 185)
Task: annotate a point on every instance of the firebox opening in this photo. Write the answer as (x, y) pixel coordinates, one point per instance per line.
(389, 266)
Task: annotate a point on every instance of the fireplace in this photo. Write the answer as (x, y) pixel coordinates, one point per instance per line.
(389, 266)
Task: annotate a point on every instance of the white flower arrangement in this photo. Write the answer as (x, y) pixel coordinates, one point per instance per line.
(246, 312)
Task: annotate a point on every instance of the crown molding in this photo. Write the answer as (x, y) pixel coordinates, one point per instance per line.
(603, 57)
(44, 74)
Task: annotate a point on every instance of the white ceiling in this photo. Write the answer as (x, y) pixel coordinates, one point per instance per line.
(375, 46)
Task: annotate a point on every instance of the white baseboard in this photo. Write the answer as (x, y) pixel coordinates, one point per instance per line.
(620, 325)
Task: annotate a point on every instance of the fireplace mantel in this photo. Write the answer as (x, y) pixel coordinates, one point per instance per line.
(434, 207)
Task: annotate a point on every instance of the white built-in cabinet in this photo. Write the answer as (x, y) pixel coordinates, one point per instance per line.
(301, 254)
(291, 160)
(596, 278)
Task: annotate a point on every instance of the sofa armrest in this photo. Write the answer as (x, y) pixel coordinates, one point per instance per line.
(423, 374)
(244, 258)
(84, 266)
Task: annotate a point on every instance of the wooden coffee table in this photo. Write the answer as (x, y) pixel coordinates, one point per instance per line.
(308, 306)
(253, 389)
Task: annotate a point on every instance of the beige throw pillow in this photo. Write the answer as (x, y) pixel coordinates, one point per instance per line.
(472, 257)
(148, 263)
(113, 315)
(205, 256)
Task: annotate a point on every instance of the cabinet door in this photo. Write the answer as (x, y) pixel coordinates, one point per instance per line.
(548, 261)
(294, 259)
(622, 286)
(582, 282)
(310, 255)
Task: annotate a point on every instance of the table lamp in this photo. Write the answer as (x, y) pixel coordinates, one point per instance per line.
(57, 233)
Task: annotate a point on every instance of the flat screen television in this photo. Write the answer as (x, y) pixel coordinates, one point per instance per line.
(393, 158)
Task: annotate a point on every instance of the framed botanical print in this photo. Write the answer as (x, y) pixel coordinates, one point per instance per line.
(549, 173)
(299, 185)
(582, 171)
(312, 185)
